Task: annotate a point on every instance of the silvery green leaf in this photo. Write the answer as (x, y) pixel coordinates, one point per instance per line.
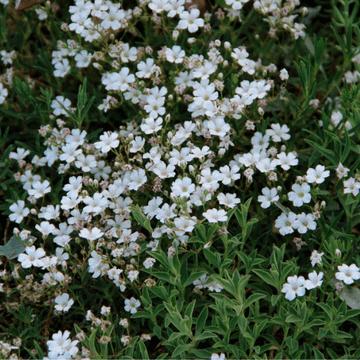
(350, 295)
(12, 248)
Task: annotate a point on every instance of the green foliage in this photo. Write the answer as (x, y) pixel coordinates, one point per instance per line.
(219, 287)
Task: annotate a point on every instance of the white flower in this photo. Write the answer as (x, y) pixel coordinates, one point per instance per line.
(131, 305)
(229, 200)
(214, 215)
(287, 160)
(295, 286)
(108, 141)
(83, 59)
(3, 93)
(92, 235)
(96, 266)
(190, 21)
(19, 211)
(314, 281)
(317, 175)
(300, 194)
(342, 171)
(32, 257)
(19, 155)
(284, 75)
(41, 12)
(59, 104)
(145, 68)
(118, 81)
(149, 262)
(63, 302)
(286, 223)
(278, 133)
(315, 258)
(215, 356)
(133, 275)
(307, 221)
(348, 273)
(49, 212)
(351, 186)
(175, 55)
(151, 125)
(183, 187)
(61, 347)
(269, 196)
(62, 68)
(229, 174)
(45, 228)
(137, 144)
(39, 189)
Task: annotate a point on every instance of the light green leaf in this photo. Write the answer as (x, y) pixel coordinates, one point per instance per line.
(141, 218)
(12, 248)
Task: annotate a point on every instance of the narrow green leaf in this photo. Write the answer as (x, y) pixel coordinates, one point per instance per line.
(192, 277)
(329, 154)
(141, 218)
(266, 276)
(181, 349)
(201, 321)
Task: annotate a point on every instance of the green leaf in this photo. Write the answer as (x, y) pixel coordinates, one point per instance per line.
(201, 321)
(206, 335)
(318, 354)
(201, 354)
(266, 276)
(211, 257)
(252, 298)
(12, 248)
(157, 331)
(38, 349)
(200, 231)
(141, 218)
(163, 275)
(143, 350)
(192, 277)
(352, 297)
(329, 154)
(181, 349)
(159, 291)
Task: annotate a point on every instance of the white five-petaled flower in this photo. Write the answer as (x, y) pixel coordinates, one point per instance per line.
(314, 280)
(94, 234)
(315, 258)
(32, 257)
(348, 273)
(351, 186)
(300, 194)
(295, 286)
(131, 305)
(278, 132)
(39, 189)
(108, 141)
(63, 302)
(19, 211)
(287, 223)
(190, 20)
(269, 196)
(318, 175)
(183, 187)
(214, 215)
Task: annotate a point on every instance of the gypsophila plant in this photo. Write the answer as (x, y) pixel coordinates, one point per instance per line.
(180, 179)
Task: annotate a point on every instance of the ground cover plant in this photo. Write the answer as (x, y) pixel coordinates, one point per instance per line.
(179, 179)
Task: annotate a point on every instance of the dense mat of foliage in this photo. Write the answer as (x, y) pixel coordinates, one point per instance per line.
(179, 179)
